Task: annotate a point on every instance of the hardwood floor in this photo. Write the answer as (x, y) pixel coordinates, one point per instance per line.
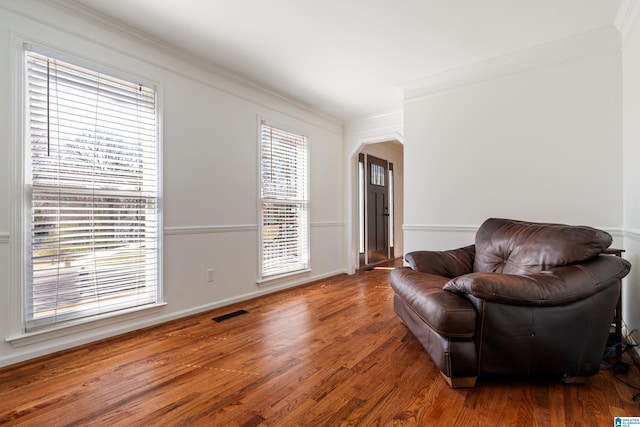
(328, 354)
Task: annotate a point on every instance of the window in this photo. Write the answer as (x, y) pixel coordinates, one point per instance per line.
(361, 207)
(391, 212)
(284, 221)
(92, 191)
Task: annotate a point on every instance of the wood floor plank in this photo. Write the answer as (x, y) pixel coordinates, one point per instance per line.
(332, 353)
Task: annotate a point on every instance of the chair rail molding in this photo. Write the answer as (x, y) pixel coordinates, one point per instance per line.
(441, 228)
(632, 234)
(208, 229)
(446, 228)
(4, 238)
(233, 228)
(328, 224)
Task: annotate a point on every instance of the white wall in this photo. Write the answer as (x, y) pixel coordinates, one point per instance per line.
(631, 154)
(555, 140)
(540, 141)
(209, 177)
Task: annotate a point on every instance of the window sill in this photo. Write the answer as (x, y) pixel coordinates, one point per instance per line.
(274, 280)
(24, 339)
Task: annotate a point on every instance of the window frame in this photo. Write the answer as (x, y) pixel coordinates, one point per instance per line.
(21, 271)
(306, 237)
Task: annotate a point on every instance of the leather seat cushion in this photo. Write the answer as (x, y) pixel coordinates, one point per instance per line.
(447, 313)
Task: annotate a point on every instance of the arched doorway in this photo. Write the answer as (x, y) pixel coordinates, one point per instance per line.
(379, 195)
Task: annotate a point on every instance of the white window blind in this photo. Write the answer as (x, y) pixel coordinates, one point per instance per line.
(93, 187)
(283, 192)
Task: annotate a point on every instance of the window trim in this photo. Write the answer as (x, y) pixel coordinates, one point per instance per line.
(20, 229)
(271, 279)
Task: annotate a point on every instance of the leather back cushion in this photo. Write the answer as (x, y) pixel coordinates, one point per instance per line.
(519, 247)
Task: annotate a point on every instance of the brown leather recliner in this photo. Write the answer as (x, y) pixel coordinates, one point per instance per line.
(530, 299)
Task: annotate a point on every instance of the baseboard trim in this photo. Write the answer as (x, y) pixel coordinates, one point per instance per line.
(631, 340)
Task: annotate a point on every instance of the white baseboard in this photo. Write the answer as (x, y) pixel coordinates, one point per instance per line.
(632, 341)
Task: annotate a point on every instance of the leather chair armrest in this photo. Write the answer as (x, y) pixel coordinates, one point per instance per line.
(451, 263)
(557, 286)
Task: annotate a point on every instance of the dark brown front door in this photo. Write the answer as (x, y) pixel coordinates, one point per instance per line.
(377, 210)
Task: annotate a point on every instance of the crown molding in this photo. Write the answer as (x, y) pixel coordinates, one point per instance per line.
(135, 35)
(600, 40)
(627, 17)
(380, 128)
(390, 120)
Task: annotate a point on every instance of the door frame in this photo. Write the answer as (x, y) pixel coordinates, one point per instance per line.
(354, 222)
(365, 206)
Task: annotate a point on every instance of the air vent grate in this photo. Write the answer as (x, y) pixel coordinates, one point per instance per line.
(229, 315)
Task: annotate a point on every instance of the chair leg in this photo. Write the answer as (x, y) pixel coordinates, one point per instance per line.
(460, 382)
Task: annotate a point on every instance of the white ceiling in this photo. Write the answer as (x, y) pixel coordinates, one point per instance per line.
(348, 58)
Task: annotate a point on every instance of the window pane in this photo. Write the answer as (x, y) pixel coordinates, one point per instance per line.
(94, 191)
(283, 191)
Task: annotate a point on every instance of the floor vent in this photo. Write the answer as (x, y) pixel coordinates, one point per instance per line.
(229, 315)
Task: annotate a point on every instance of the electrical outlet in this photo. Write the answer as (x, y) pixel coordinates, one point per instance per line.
(210, 275)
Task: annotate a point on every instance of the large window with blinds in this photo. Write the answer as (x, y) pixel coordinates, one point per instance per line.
(92, 191)
(284, 225)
